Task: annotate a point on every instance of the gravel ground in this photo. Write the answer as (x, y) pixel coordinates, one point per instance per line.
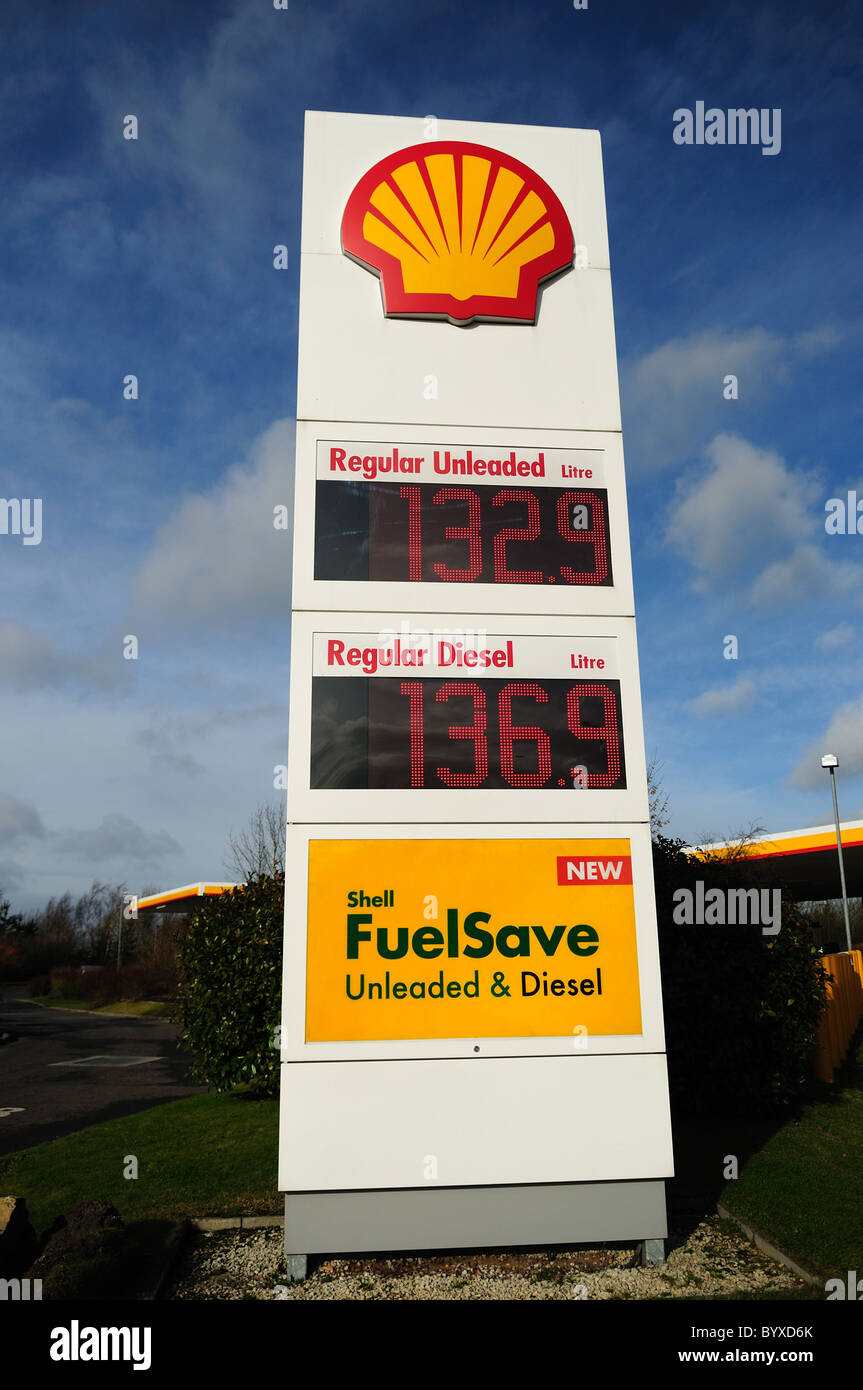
(711, 1261)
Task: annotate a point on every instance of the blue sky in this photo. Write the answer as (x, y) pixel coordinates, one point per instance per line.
(154, 257)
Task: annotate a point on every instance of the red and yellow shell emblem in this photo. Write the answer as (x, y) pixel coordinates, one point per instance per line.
(457, 231)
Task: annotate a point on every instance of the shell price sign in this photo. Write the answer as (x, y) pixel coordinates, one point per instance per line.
(471, 939)
(471, 965)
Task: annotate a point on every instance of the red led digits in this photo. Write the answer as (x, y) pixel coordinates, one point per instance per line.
(476, 731)
(595, 536)
(413, 497)
(407, 737)
(543, 509)
(414, 689)
(472, 533)
(502, 575)
(510, 732)
(607, 733)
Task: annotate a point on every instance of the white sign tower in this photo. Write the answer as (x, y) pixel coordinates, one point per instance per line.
(473, 1047)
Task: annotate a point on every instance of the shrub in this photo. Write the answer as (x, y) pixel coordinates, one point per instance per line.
(105, 985)
(100, 986)
(66, 982)
(230, 970)
(39, 985)
(161, 978)
(158, 960)
(133, 982)
(741, 1009)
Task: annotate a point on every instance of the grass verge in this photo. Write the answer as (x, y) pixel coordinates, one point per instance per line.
(207, 1155)
(125, 1008)
(802, 1188)
(215, 1155)
(47, 1001)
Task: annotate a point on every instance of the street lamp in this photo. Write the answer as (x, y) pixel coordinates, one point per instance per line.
(831, 762)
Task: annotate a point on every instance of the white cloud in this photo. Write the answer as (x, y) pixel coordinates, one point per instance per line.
(167, 751)
(29, 661)
(220, 559)
(746, 505)
(169, 743)
(673, 396)
(748, 518)
(118, 837)
(18, 821)
(11, 875)
(844, 737)
(837, 637)
(806, 575)
(731, 699)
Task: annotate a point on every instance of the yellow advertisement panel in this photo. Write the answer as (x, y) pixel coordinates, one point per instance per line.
(470, 939)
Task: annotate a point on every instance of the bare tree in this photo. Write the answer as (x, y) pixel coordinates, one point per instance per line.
(260, 848)
(97, 916)
(657, 800)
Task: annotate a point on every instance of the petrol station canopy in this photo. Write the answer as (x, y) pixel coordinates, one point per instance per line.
(805, 863)
(181, 899)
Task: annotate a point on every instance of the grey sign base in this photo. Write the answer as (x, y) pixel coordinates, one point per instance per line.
(451, 1218)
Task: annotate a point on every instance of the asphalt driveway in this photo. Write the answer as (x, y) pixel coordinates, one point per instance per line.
(67, 1070)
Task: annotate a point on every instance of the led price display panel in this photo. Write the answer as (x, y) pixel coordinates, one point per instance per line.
(529, 527)
(458, 534)
(391, 732)
(451, 517)
(465, 720)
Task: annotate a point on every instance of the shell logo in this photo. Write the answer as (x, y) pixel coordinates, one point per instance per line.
(457, 231)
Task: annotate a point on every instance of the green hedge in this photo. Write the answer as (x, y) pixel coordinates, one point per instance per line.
(741, 1009)
(230, 975)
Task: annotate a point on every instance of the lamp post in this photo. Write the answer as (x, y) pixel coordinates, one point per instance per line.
(831, 762)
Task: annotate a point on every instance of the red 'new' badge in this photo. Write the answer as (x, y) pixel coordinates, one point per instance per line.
(579, 870)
